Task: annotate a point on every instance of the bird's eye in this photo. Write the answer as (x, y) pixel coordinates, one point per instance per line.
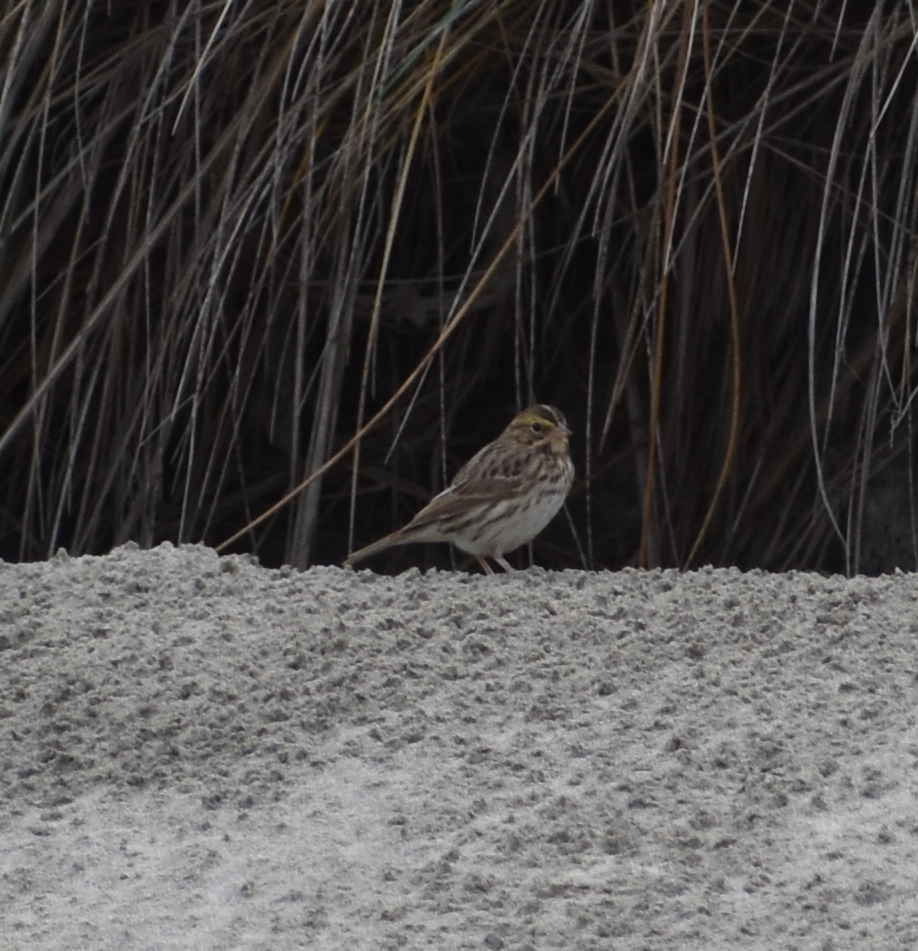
(537, 428)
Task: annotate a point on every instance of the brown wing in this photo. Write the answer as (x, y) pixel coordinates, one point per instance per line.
(487, 477)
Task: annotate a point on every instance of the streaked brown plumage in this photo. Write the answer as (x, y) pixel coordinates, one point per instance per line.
(501, 498)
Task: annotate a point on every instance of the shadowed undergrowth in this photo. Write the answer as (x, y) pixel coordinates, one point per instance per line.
(231, 233)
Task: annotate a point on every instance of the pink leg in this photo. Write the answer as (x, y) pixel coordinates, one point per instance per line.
(485, 567)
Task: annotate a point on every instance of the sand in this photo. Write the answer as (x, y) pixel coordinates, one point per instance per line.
(196, 752)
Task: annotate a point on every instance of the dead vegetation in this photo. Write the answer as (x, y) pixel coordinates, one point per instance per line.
(230, 234)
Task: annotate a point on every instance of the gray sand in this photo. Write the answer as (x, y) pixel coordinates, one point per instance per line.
(197, 752)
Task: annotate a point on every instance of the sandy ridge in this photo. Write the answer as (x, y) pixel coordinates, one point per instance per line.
(198, 752)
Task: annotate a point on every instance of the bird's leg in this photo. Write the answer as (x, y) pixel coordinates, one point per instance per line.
(485, 567)
(503, 563)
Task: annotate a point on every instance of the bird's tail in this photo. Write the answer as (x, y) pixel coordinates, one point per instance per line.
(381, 545)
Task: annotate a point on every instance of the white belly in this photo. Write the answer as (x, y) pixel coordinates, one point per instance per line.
(501, 534)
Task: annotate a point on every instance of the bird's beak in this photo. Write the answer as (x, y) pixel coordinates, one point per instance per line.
(559, 434)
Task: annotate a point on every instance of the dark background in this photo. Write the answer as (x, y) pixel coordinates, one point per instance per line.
(228, 235)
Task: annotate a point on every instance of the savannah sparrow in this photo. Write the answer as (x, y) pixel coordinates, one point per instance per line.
(502, 497)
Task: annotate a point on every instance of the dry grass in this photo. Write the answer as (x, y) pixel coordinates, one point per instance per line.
(230, 233)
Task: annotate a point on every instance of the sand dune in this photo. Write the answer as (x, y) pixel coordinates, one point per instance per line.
(196, 752)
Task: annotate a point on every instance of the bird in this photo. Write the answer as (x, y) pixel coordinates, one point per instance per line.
(501, 498)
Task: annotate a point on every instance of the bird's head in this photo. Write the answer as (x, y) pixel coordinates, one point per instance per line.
(540, 424)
